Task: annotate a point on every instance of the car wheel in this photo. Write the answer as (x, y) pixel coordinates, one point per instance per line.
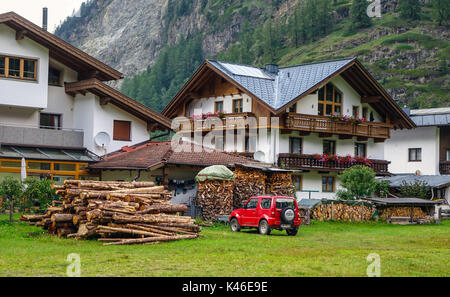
(234, 225)
(292, 232)
(264, 228)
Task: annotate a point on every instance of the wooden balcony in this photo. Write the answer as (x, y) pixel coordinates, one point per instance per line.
(444, 167)
(229, 121)
(308, 162)
(326, 125)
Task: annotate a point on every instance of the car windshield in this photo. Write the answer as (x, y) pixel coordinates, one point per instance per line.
(283, 203)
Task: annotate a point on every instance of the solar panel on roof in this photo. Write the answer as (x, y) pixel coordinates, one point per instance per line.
(245, 71)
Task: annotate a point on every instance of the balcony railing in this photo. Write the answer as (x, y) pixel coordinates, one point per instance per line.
(321, 124)
(229, 121)
(40, 136)
(444, 167)
(309, 162)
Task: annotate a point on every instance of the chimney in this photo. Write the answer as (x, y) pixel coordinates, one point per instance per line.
(45, 18)
(272, 68)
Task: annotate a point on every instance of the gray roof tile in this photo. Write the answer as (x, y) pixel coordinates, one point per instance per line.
(280, 89)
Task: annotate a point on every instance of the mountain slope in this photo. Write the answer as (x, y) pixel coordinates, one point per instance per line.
(158, 44)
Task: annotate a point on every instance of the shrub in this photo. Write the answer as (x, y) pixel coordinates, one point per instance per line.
(11, 190)
(345, 195)
(359, 181)
(382, 188)
(38, 192)
(416, 189)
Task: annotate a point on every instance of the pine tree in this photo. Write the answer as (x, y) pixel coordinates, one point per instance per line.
(410, 9)
(358, 15)
(441, 11)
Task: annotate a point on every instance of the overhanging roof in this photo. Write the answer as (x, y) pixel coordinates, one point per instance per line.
(434, 181)
(279, 91)
(47, 154)
(110, 95)
(59, 49)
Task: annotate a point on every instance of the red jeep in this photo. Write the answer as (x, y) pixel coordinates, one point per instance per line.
(267, 213)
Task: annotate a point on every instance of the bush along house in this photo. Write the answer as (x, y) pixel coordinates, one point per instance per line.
(56, 111)
(317, 119)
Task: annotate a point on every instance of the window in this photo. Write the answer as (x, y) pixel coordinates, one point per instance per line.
(360, 150)
(252, 204)
(54, 77)
(415, 155)
(283, 203)
(295, 145)
(2, 66)
(250, 144)
(329, 147)
(297, 181)
(356, 111)
(237, 106)
(365, 113)
(50, 121)
(293, 108)
(14, 67)
(219, 106)
(448, 155)
(328, 184)
(266, 203)
(122, 131)
(18, 68)
(330, 101)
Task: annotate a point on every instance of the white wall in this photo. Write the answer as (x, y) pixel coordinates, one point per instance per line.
(58, 101)
(205, 105)
(16, 92)
(19, 116)
(397, 149)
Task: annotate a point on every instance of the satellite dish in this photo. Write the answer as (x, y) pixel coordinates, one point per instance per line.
(418, 173)
(260, 156)
(102, 139)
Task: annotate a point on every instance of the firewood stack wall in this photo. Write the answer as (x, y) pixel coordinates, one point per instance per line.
(280, 184)
(116, 213)
(215, 198)
(343, 212)
(248, 183)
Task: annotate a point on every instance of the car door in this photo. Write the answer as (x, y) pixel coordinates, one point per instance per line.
(249, 214)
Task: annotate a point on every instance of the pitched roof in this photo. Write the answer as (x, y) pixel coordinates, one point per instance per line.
(150, 155)
(279, 89)
(115, 97)
(59, 49)
(431, 117)
(435, 181)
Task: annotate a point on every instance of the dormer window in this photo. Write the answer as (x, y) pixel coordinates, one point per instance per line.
(20, 68)
(330, 101)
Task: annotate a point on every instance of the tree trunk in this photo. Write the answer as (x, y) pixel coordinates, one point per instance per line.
(11, 211)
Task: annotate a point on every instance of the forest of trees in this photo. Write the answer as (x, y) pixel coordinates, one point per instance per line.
(309, 21)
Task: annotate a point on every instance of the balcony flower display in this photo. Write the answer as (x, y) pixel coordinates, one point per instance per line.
(348, 119)
(209, 115)
(343, 159)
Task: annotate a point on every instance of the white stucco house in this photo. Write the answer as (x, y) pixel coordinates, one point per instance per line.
(56, 110)
(423, 153)
(319, 118)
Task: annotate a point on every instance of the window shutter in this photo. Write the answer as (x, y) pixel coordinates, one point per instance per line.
(122, 130)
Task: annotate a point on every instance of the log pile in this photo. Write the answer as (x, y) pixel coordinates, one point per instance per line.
(247, 184)
(280, 184)
(343, 212)
(215, 198)
(116, 213)
(406, 212)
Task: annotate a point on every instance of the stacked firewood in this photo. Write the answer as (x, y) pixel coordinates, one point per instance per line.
(248, 183)
(280, 184)
(343, 212)
(215, 198)
(406, 212)
(117, 213)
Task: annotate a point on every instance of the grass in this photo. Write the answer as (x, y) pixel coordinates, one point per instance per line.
(323, 249)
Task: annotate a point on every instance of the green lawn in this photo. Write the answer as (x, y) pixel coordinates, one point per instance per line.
(323, 249)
